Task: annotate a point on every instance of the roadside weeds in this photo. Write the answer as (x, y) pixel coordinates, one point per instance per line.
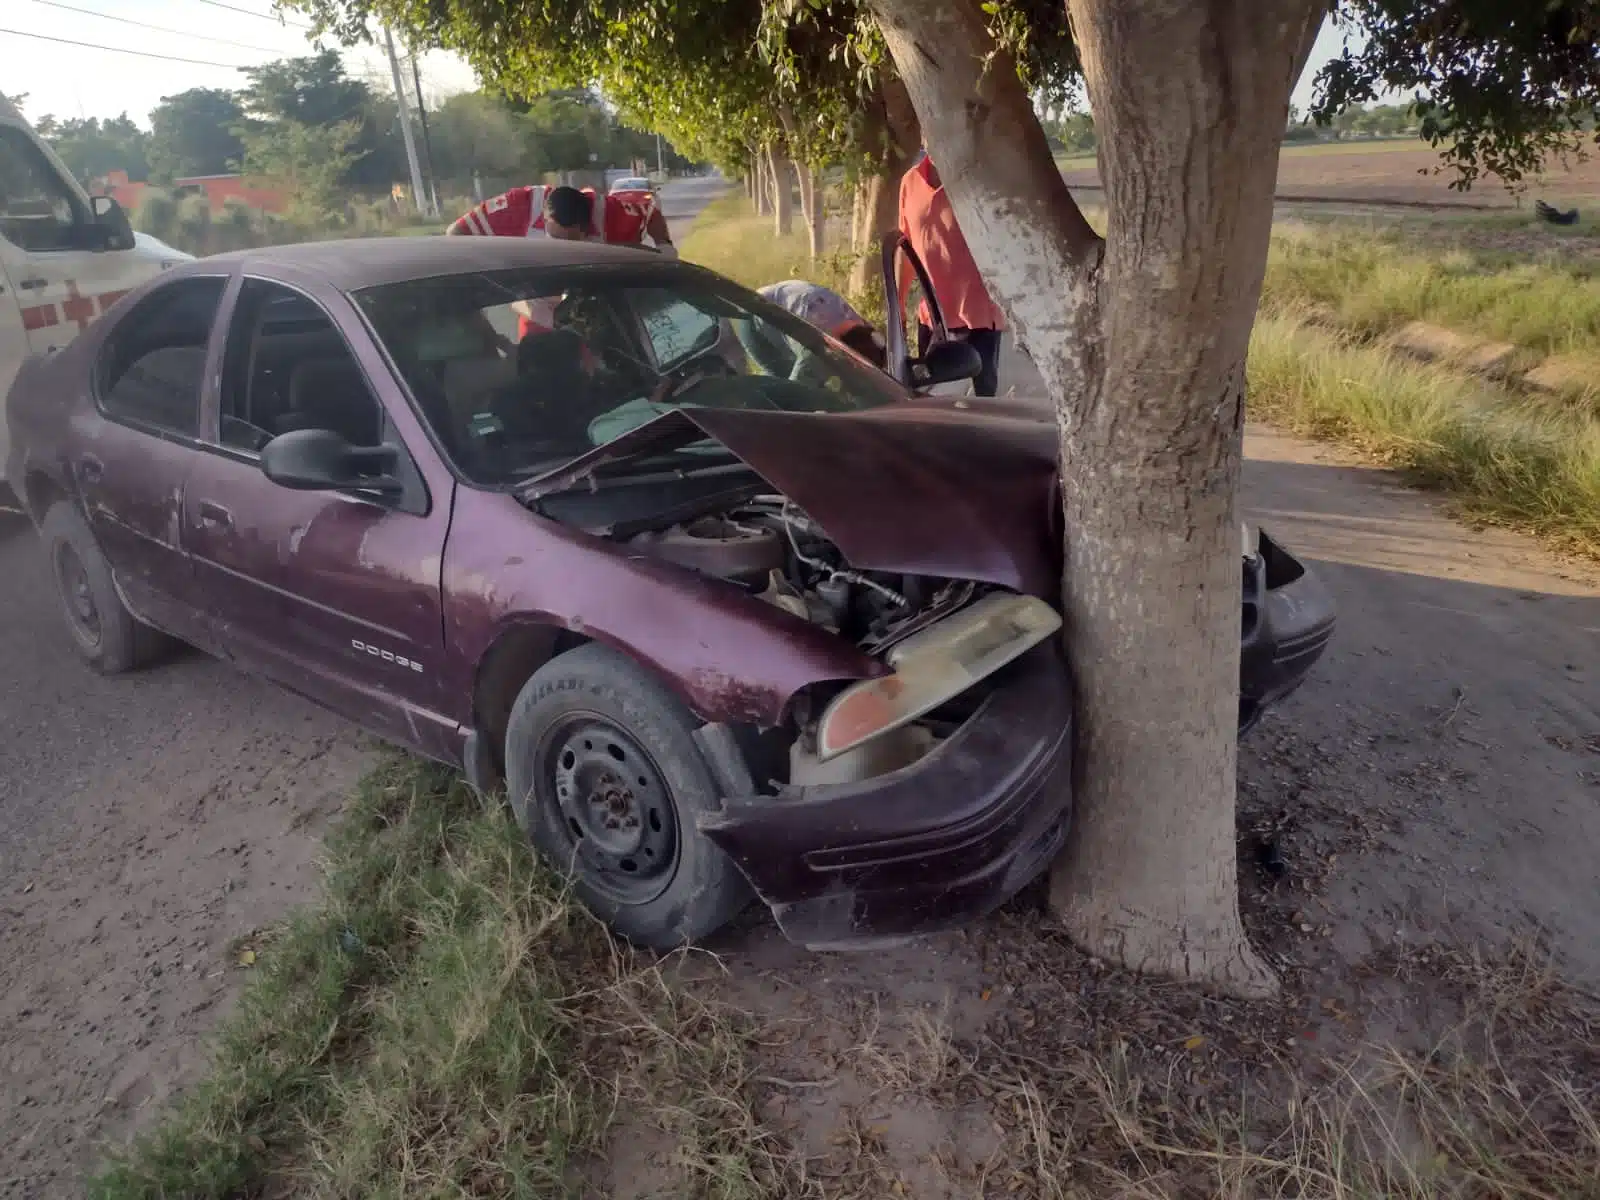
(1508, 459)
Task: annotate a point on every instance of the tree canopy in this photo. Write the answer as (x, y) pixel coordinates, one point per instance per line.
(91, 148)
(195, 133)
(1498, 86)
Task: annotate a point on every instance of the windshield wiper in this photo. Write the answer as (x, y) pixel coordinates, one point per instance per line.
(638, 472)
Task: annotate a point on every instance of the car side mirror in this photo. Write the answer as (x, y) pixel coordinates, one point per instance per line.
(319, 460)
(945, 362)
(111, 223)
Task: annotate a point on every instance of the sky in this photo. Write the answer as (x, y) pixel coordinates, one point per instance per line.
(76, 81)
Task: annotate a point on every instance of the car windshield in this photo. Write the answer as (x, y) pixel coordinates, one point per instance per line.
(520, 371)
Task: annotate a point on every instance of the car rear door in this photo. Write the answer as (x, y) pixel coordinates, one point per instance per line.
(130, 455)
(334, 595)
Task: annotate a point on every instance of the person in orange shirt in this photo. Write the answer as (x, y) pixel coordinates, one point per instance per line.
(929, 223)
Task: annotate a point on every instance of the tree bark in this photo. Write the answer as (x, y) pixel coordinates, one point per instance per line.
(782, 193)
(1142, 342)
(761, 168)
(811, 208)
(893, 126)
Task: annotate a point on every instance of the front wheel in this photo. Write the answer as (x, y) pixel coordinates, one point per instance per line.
(606, 778)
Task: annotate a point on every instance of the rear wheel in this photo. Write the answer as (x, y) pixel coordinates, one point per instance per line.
(606, 778)
(104, 633)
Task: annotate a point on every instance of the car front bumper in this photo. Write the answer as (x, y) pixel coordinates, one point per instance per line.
(1288, 620)
(931, 846)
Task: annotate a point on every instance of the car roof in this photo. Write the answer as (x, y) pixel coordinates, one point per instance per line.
(358, 263)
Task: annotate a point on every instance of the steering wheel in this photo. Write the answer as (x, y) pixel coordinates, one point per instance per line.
(686, 376)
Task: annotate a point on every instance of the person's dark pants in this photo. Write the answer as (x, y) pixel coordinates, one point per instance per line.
(985, 341)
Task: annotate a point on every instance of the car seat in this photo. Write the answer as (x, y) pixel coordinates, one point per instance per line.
(552, 397)
(332, 394)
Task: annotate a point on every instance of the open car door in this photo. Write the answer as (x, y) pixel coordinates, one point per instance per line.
(946, 361)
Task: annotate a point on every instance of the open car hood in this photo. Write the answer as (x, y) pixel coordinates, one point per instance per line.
(924, 487)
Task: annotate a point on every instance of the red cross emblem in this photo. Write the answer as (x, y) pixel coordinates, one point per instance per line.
(39, 316)
(77, 307)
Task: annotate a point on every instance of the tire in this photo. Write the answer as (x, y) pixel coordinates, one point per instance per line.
(104, 633)
(606, 779)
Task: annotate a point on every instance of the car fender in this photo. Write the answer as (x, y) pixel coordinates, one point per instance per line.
(732, 657)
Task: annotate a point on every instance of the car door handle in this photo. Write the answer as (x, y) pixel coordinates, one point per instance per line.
(214, 515)
(91, 468)
(34, 284)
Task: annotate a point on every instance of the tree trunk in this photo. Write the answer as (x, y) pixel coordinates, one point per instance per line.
(783, 194)
(1142, 342)
(892, 122)
(761, 168)
(811, 208)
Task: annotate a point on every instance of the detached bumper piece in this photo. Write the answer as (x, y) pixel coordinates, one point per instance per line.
(1288, 622)
(928, 847)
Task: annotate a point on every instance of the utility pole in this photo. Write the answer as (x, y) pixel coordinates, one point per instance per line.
(427, 143)
(418, 197)
(660, 165)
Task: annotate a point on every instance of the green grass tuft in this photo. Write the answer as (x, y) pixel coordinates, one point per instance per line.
(446, 1022)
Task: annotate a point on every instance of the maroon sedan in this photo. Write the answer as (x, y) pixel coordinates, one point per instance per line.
(725, 607)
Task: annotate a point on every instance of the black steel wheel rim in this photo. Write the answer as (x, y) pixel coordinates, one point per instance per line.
(73, 580)
(612, 807)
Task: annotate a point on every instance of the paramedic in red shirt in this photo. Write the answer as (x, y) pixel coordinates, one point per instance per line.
(620, 218)
(929, 224)
(569, 215)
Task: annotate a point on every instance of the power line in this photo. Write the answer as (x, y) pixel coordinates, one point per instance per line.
(158, 28)
(252, 13)
(45, 37)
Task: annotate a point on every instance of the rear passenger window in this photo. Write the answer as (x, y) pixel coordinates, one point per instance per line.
(288, 367)
(153, 364)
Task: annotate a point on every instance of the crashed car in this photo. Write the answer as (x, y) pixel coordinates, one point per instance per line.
(729, 611)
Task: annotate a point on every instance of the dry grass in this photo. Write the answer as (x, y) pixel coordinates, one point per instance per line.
(447, 1022)
(734, 240)
(1088, 1104)
(1507, 457)
(1373, 281)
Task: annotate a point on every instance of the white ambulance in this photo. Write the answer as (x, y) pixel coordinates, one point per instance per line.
(64, 258)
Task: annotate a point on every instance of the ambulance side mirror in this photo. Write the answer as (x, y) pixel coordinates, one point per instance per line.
(111, 230)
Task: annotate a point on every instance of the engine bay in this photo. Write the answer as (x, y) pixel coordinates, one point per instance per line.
(770, 547)
(942, 638)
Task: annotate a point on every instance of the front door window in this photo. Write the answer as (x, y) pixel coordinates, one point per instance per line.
(39, 212)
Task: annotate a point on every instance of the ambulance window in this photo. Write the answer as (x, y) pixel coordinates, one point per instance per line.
(37, 209)
(152, 366)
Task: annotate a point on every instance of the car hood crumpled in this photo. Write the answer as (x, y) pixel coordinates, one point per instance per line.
(925, 487)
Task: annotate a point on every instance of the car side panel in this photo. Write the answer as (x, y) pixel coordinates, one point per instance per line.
(731, 656)
(132, 485)
(333, 596)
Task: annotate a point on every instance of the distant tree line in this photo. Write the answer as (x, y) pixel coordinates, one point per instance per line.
(1071, 132)
(331, 137)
